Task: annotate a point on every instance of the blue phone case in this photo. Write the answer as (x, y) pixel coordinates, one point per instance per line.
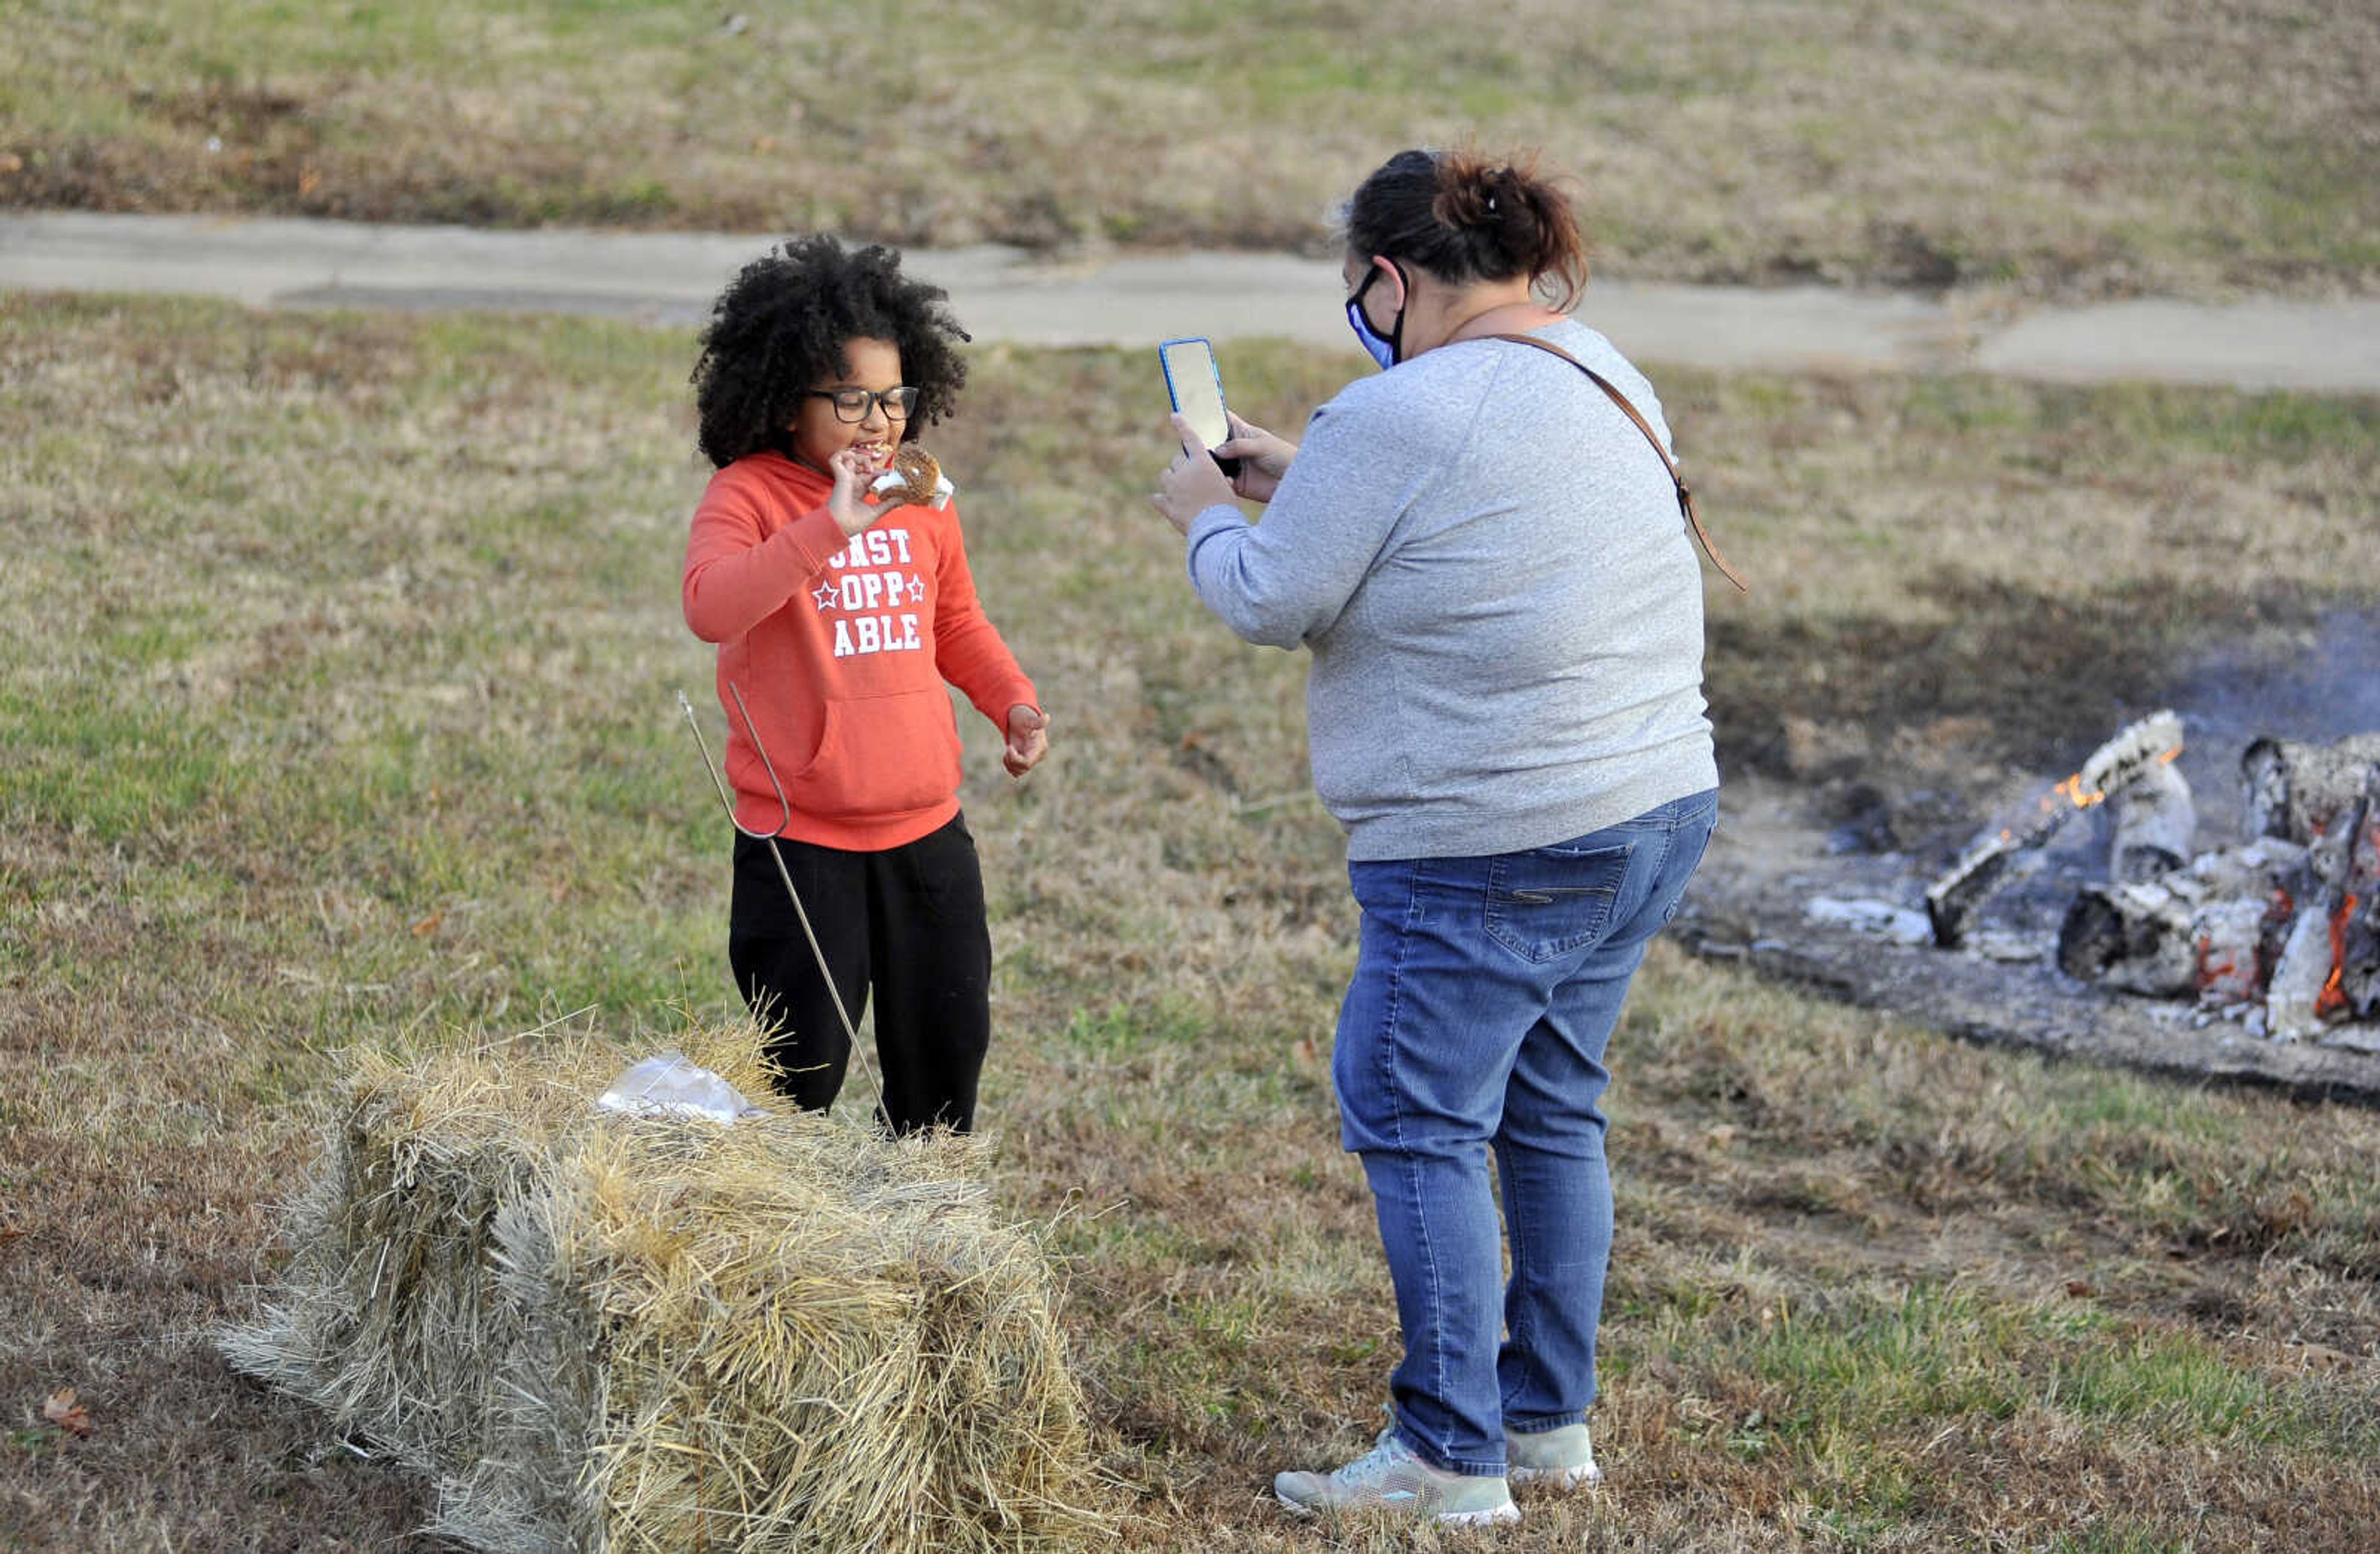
(1173, 389)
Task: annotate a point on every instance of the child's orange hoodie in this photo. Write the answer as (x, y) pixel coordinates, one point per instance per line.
(840, 645)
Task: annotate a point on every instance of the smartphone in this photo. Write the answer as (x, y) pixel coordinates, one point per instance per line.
(1197, 392)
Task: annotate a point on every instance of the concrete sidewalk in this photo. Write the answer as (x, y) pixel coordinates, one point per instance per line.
(1132, 300)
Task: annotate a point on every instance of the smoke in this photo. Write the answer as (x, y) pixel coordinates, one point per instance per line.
(2318, 684)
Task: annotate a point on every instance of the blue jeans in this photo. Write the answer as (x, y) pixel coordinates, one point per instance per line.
(1485, 992)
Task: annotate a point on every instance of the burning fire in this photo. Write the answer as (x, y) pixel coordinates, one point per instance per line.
(2075, 793)
(2071, 792)
(2333, 997)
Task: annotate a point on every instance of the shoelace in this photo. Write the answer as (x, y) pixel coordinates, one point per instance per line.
(1374, 1466)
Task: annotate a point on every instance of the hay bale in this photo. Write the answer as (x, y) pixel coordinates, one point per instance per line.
(599, 1331)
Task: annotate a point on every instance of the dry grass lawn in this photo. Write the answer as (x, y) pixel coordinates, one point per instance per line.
(2015, 148)
(336, 662)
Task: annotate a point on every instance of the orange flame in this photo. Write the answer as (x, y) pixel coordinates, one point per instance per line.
(2072, 791)
(2333, 997)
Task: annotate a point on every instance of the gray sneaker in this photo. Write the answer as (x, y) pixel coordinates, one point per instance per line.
(1562, 1458)
(1391, 1475)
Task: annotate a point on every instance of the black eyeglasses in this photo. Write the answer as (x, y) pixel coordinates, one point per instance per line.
(854, 404)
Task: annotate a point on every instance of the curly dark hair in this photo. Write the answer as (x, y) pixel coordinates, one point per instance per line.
(780, 328)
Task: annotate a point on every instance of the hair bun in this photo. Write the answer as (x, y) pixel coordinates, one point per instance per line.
(1478, 195)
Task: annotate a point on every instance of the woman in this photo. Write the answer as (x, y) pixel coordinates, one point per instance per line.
(1506, 715)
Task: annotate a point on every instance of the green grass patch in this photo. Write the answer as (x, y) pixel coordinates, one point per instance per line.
(1940, 1353)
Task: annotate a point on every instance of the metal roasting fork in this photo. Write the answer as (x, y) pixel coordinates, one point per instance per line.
(785, 818)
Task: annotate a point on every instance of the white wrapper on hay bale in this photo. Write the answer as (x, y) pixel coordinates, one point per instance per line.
(599, 1331)
(674, 1085)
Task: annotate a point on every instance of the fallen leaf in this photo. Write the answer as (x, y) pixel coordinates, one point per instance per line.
(11, 162)
(2079, 1289)
(61, 1410)
(429, 925)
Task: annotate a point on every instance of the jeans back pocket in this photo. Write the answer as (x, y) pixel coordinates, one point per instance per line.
(1550, 903)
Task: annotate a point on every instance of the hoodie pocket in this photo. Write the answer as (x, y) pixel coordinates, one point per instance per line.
(885, 755)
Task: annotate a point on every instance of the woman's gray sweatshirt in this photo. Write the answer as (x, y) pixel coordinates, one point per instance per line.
(1504, 605)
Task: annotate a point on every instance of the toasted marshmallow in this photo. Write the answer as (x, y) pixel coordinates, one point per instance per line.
(914, 480)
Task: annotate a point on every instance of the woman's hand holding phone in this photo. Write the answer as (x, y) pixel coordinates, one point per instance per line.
(1263, 458)
(1193, 482)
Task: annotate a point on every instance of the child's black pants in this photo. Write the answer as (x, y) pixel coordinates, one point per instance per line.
(908, 923)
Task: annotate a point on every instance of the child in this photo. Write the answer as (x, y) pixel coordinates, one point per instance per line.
(838, 621)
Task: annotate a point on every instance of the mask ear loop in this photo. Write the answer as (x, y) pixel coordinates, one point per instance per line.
(784, 819)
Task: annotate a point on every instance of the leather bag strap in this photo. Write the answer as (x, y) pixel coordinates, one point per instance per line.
(1685, 495)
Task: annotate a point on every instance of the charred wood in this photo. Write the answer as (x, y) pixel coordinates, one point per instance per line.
(2307, 981)
(2202, 927)
(2358, 920)
(2256, 868)
(2296, 790)
(2228, 937)
(2154, 826)
(1952, 900)
(2151, 741)
(2297, 978)
(2359, 960)
(2135, 937)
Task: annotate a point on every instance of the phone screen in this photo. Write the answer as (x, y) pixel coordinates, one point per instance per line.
(1198, 390)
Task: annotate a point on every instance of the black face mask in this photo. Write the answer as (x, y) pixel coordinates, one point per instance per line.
(1388, 350)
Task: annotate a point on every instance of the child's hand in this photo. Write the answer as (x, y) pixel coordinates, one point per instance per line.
(1028, 739)
(853, 470)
